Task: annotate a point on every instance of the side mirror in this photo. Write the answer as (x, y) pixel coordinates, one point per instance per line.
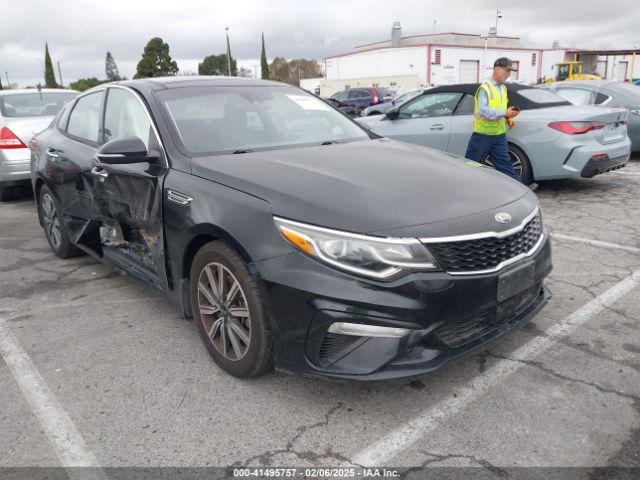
(123, 151)
(392, 113)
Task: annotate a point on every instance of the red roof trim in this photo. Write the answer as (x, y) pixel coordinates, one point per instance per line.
(436, 35)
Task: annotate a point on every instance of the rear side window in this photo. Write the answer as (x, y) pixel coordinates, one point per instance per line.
(466, 105)
(36, 104)
(84, 120)
(541, 97)
(383, 92)
(577, 96)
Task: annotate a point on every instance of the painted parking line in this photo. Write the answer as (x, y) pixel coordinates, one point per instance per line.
(66, 440)
(595, 243)
(385, 449)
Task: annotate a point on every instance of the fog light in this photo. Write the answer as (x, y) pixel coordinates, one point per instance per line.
(360, 330)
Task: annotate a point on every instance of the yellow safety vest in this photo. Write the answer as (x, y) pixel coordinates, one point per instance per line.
(497, 101)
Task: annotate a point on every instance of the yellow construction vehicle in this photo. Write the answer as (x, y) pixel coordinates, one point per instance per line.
(570, 71)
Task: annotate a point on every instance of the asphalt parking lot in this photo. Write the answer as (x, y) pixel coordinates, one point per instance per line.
(105, 371)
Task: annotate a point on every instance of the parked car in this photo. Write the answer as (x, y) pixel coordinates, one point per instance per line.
(383, 107)
(364, 97)
(351, 110)
(293, 236)
(23, 113)
(605, 93)
(552, 139)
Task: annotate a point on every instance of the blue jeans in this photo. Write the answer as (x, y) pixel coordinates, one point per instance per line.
(495, 146)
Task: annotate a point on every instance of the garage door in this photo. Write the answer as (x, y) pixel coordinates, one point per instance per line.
(621, 75)
(469, 71)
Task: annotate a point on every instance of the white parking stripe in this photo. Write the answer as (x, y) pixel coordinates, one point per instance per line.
(595, 243)
(391, 445)
(65, 438)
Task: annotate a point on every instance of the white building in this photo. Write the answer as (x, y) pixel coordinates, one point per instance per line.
(442, 59)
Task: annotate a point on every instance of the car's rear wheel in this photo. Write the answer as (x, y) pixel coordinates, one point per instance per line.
(230, 312)
(56, 234)
(520, 163)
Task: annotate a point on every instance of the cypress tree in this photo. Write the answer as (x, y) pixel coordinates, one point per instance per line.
(49, 75)
(264, 65)
(111, 69)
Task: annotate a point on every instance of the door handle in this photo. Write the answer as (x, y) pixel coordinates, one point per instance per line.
(52, 152)
(437, 126)
(99, 172)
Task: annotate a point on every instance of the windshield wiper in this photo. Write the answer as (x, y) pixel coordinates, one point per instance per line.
(242, 151)
(329, 142)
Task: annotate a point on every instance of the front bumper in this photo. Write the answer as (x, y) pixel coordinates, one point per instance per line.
(448, 315)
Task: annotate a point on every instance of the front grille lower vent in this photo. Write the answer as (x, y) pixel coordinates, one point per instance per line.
(333, 344)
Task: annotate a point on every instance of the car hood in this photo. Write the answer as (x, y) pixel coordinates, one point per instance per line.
(363, 186)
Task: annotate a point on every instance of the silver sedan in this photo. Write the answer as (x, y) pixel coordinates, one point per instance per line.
(604, 93)
(23, 113)
(552, 138)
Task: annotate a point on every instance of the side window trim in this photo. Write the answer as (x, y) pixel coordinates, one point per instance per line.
(72, 108)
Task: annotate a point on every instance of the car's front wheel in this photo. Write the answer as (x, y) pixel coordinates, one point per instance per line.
(56, 234)
(229, 309)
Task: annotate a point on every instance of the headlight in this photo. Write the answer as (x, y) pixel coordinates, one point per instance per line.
(370, 256)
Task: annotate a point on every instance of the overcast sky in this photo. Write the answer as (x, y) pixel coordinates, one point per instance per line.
(80, 33)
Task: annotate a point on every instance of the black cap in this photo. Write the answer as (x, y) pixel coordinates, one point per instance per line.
(503, 62)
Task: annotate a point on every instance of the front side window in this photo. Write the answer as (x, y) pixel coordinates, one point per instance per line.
(36, 104)
(466, 105)
(125, 117)
(84, 120)
(440, 104)
(577, 96)
(211, 120)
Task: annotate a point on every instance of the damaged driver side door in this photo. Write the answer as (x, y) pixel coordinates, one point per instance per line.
(128, 196)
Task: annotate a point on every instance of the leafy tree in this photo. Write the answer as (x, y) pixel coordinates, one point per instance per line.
(49, 75)
(295, 70)
(111, 69)
(264, 65)
(83, 84)
(156, 61)
(217, 65)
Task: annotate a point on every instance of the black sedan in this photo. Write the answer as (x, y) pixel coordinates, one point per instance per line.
(293, 237)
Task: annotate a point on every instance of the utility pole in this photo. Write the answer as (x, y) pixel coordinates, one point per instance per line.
(228, 52)
(255, 71)
(498, 17)
(434, 26)
(324, 63)
(6, 74)
(60, 75)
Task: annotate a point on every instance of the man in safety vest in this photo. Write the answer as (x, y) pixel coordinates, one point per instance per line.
(491, 116)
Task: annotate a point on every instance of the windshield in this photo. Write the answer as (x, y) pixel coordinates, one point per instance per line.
(407, 96)
(34, 104)
(238, 119)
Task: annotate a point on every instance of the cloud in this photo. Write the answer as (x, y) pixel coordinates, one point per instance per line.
(84, 31)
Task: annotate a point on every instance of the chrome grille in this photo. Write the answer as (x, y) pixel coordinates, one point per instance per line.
(484, 254)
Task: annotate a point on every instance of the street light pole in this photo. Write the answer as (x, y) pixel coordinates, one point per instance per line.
(60, 75)
(228, 52)
(324, 63)
(498, 17)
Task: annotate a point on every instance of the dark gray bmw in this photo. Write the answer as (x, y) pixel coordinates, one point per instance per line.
(293, 236)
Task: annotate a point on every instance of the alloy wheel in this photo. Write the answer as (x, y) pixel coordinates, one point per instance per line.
(224, 311)
(516, 161)
(51, 221)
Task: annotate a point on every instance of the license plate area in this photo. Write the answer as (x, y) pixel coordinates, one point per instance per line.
(515, 281)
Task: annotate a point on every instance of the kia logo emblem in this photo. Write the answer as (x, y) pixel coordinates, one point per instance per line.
(503, 217)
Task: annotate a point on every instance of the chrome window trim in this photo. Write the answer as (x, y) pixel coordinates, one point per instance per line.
(478, 236)
(501, 265)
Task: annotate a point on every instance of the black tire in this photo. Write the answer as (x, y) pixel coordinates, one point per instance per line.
(520, 161)
(257, 356)
(6, 194)
(61, 243)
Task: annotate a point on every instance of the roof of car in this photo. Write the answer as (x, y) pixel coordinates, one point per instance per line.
(15, 91)
(161, 83)
(473, 87)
